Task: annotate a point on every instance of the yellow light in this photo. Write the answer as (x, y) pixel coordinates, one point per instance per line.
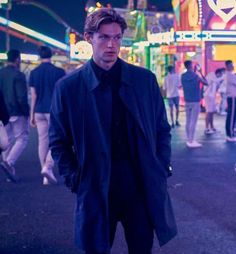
(98, 5)
(72, 37)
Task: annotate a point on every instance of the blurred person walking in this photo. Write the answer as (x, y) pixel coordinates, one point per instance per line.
(4, 116)
(171, 86)
(192, 96)
(111, 140)
(214, 80)
(14, 89)
(223, 98)
(42, 82)
(230, 79)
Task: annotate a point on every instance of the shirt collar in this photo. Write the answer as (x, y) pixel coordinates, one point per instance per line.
(102, 74)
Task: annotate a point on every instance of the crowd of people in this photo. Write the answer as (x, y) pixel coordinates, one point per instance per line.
(108, 133)
(197, 88)
(18, 114)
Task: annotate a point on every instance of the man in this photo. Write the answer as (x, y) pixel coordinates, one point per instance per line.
(223, 97)
(192, 96)
(14, 89)
(110, 137)
(42, 81)
(171, 86)
(4, 119)
(214, 80)
(230, 79)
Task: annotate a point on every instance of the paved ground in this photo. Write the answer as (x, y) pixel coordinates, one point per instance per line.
(39, 219)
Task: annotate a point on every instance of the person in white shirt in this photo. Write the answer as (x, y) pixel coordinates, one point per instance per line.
(171, 86)
(214, 80)
(230, 78)
(223, 98)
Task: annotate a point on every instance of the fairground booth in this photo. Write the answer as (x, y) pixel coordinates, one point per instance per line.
(204, 31)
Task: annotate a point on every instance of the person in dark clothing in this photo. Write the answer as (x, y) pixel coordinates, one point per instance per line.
(4, 116)
(110, 137)
(230, 79)
(14, 89)
(192, 95)
(42, 81)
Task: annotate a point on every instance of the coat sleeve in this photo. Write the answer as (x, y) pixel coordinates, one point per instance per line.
(60, 138)
(163, 137)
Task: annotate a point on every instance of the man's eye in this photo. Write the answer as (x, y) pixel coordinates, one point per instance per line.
(103, 37)
(117, 38)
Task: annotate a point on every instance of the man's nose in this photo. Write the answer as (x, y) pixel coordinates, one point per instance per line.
(110, 43)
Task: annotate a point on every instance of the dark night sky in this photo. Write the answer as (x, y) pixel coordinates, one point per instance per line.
(72, 11)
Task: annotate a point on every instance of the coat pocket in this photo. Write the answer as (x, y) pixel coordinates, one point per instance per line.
(72, 181)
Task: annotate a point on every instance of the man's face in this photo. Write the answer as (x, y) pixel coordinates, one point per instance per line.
(230, 67)
(106, 44)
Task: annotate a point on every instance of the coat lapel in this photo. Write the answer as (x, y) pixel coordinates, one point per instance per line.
(127, 92)
(129, 97)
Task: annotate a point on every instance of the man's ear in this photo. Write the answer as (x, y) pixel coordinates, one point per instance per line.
(88, 37)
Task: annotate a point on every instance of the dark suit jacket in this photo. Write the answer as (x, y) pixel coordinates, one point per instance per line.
(14, 89)
(80, 143)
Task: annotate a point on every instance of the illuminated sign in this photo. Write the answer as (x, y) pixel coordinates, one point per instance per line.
(192, 36)
(4, 4)
(168, 49)
(161, 38)
(220, 8)
(218, 14)
(172, 49)
(81, 50)
(193, 13)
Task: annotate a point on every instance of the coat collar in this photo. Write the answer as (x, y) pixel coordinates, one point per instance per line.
(93, 82)
(127, 92)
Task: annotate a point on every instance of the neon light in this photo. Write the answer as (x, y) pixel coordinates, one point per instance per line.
(219, 7)
(24, 57)
(29, 57)
(191, 36)
(200, 12)
(3, 2)
(161, 38)
(218, 25)
(3, 21)
(188, 36)
(3, 56)
(34, 34)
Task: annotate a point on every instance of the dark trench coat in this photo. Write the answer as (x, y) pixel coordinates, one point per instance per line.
(80, 144)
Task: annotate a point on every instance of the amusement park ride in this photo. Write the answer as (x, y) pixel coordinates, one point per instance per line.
(16, 30)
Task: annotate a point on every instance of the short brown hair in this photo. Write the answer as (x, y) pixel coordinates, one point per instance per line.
(12, 55)
(187, 64)
(228, 62)
(45, 52)
(103, 16)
